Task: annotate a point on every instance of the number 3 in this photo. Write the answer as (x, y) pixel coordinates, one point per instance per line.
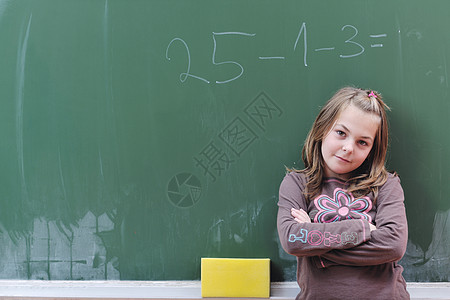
(352, 42)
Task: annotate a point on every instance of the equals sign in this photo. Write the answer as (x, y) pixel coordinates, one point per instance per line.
(377, 36)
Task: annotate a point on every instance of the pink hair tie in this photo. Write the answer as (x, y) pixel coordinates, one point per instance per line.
(372, 94)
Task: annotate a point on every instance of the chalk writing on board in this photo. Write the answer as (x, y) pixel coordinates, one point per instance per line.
(350, 40)
(228, 62)
(271, 57)
(184, 75)
(355, 49)
(359, 49)
(305, 43)
(376, 36)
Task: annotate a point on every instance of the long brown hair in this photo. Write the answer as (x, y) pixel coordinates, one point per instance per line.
(372, 173)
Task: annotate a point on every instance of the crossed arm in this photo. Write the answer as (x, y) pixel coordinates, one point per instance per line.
(300, 216)
(384, 242)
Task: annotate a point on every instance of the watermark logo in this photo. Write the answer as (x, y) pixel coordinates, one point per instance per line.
(225, 149)
(184, 190)
(238, 136)
(262, 110)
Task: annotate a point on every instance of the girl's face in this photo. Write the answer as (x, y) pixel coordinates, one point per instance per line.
(348, 143)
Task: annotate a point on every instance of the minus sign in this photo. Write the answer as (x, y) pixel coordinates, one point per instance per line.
(324, 49)
(378, 35)
(271, 57)
(376, 45)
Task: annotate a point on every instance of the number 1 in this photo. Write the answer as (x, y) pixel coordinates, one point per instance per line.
(305, 46)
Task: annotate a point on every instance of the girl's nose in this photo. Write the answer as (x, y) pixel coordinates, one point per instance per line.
(347, 148)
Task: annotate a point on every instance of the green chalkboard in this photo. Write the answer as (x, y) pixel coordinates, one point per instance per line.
(138, 136)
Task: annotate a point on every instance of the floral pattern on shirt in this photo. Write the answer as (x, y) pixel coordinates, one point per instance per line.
(343, 206)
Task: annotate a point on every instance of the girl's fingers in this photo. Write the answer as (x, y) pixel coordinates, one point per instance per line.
(295, 213)
(300, 215)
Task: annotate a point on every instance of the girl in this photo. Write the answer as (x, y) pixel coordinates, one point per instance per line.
(343, 215)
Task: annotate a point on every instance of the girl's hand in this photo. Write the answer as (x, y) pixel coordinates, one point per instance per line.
(300, 215)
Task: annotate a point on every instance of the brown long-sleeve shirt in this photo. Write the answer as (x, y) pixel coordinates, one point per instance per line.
(338, 256)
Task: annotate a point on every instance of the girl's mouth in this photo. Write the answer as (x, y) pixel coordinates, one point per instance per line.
(342, 159)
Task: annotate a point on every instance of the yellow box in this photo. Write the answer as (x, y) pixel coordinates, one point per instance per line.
(230, 277)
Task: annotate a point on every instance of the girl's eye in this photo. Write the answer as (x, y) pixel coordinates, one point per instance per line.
(340, 132)
(363, 143)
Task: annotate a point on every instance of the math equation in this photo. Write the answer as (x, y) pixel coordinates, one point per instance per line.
(300, 42)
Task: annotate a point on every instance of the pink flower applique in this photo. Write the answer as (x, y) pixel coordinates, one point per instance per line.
(343, 206)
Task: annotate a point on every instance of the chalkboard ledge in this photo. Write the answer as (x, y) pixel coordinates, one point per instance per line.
(31, 289)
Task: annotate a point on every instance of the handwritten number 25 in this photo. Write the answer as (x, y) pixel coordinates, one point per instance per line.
(185, 75)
